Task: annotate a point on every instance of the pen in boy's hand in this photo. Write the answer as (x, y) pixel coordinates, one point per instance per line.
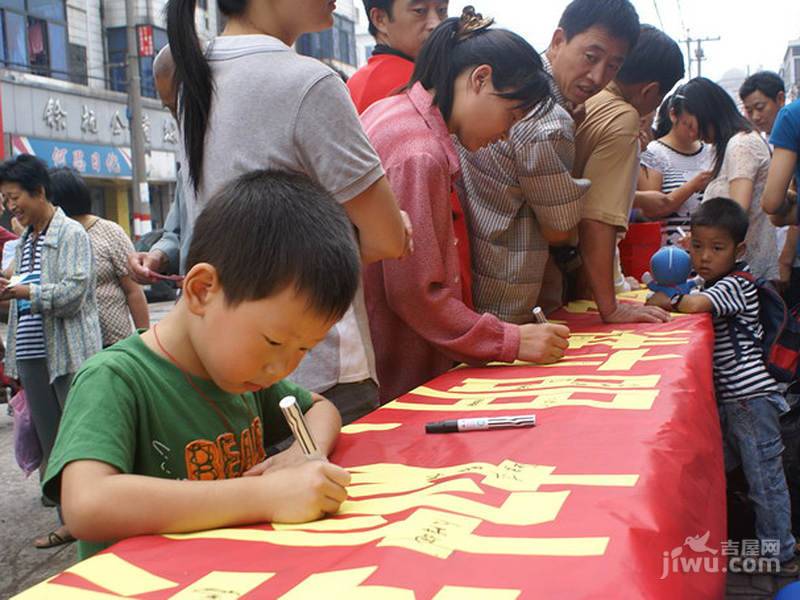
(538, 315)
(297, 423)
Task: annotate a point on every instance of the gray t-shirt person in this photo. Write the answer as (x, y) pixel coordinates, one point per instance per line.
(275, 109)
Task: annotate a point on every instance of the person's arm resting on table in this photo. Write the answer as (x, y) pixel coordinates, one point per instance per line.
(611, 168)
(687, 303)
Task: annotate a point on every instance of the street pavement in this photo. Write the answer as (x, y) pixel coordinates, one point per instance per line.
(22, 518)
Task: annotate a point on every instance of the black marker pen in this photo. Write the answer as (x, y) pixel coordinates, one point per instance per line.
(480, 423)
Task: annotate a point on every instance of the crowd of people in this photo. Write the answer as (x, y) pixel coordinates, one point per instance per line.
(356, 240)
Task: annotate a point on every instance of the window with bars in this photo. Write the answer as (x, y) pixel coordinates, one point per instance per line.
(33, 37)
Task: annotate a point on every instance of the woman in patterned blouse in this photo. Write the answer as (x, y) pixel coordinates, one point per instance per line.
(118, 297)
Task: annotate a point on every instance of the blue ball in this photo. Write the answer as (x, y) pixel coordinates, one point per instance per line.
(670, 266)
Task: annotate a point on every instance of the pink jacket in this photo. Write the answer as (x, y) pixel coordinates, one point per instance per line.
(419, 323)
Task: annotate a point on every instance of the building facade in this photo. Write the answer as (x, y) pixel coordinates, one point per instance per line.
(336, 46)
(790, 70)
(63, 95)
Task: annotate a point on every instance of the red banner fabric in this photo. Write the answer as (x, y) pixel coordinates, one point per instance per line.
(618, 492)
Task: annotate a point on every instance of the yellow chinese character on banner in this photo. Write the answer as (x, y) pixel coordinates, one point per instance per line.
(631, 392)
(442, 522)
(629, 340)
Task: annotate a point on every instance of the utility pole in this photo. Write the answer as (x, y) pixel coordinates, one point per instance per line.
(688, 41)
(699, 54)
(141, 193)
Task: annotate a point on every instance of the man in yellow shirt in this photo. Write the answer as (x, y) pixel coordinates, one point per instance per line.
(607, 153)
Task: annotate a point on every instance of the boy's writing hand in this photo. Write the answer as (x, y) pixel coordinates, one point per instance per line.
(306, 492)
(543, 343)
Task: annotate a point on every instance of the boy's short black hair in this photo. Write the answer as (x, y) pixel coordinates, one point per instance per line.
(768, 83)
(722, 213)
(69, 191)
(384, 5)
(28, 171)
(268, 230)
(656, 57)
(618, 17)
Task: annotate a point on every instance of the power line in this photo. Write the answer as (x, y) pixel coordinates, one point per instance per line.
(658, 14)
(680, 13)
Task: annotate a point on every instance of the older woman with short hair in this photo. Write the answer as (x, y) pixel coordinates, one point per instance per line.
(53, 324)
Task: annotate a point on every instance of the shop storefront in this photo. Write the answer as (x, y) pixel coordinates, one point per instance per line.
(64, 126)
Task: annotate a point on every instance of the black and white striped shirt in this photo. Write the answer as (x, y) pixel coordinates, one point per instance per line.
(30, 329)
(745, 376)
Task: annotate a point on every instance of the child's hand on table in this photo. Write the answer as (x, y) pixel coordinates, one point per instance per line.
(661, 300)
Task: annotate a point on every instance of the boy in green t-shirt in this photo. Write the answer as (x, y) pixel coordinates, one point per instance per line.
(159, 428)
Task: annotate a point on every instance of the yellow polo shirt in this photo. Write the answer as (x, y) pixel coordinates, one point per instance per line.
(607, 153)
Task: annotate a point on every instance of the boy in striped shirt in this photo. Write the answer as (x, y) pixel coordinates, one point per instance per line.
(748, 398)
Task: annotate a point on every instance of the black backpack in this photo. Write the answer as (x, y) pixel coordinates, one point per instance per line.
(781, 341)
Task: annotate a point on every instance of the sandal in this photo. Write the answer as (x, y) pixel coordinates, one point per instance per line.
(53, 539)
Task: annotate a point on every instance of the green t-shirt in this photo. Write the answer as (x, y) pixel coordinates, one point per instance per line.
(135, 410)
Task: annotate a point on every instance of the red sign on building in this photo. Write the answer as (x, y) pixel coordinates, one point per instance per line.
(145, 40)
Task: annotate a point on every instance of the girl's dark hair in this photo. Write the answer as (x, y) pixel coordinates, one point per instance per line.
(28, 171)
(663, 122)
(70, 192)
(193, 77)
(715, 111)
(268, 230)
(458, 44)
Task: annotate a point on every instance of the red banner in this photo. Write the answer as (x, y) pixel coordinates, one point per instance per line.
(618, 492)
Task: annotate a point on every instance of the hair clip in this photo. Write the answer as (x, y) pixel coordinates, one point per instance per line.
(472, 23)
